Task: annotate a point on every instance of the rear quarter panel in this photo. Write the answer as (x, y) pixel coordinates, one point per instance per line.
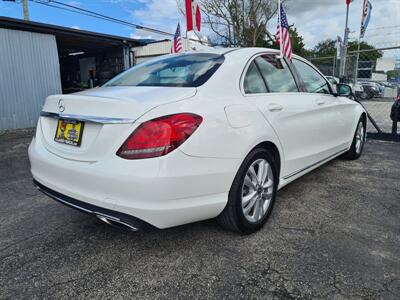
(218, 136)
(232, 126)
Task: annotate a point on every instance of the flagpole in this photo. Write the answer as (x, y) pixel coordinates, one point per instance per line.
(186, 39)
(345, 43)
(186, 36)
(280, 29)
(359, 41)
(358, 58)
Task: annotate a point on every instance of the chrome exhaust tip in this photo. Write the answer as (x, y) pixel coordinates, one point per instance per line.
(113, 218)
(115, 222)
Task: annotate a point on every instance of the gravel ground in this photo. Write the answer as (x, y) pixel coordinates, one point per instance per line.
(333, 234)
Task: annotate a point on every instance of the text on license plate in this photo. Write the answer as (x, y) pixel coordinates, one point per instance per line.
(69, 132)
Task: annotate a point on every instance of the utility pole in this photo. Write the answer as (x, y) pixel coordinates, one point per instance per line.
(343, 53)
(25, 9)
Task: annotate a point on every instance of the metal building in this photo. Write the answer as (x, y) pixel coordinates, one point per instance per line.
(157, 48)
(37, 60)
(29, 73)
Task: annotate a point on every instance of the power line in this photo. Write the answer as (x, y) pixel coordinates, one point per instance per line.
(382, 35)
(75, 9)
(70, 10)
(384, 27)
(78, 10)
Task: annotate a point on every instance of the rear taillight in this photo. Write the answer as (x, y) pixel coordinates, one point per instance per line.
(159, 136)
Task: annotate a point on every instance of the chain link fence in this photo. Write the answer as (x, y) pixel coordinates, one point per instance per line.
(374, 75)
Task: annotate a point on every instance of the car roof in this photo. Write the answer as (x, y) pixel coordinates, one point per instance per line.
(247, 51)
(209, 50)
(224, 51)
(251, 51)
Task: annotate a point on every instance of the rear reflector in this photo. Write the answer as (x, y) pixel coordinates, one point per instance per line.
(159, 136)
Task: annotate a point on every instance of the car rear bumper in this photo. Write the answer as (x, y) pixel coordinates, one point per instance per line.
(163, 192)
(111, 217)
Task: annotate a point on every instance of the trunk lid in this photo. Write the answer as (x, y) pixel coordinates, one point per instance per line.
(108, 114)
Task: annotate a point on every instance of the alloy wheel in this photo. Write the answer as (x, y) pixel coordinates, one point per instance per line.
(257, 190)
(360, 137)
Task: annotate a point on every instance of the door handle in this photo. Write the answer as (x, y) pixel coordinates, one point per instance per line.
(320, 101)
(275, 107)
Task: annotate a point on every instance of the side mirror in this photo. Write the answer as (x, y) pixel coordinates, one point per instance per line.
(343, 90)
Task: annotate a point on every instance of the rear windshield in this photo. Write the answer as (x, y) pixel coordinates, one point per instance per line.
(185, 70)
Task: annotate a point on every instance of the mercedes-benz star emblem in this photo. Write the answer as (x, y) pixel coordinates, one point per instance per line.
(61, 105)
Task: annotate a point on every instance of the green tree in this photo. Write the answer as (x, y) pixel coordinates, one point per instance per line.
(239, 23)
(327, 48)
(298, 46)
(370, 55)
(393, 74)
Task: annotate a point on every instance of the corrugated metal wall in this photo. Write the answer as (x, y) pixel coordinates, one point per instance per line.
(29, 72)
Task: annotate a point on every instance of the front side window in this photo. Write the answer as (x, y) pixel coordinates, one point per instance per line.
(186, 70)
(313, 81)
(253, 81)
(277, 75)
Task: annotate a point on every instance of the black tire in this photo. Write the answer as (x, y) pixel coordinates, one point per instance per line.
(371, 95)
(353, 153)
(364, 96)
(232, 217)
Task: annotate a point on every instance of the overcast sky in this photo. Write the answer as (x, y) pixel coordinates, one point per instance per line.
(316, 20)
(321, 19)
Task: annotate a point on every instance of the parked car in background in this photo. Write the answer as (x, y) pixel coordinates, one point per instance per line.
(371, 90)
(193, 136)
(388, 85)
(381, 88)
(357, 88)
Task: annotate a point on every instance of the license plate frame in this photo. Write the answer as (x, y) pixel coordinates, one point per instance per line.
(69, 132)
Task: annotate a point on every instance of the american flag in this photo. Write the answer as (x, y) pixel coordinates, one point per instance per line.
(177, 44)
(286, 46)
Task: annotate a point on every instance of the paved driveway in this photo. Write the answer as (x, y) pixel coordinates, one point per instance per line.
(379, 109)
(334, 234)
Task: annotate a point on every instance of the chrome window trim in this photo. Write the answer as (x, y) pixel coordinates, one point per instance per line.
(252, 58)
(83, 118)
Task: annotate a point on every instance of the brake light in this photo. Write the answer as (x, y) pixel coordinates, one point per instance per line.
(159, 136)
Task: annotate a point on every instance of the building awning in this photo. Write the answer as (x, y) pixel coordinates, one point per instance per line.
(70, 39)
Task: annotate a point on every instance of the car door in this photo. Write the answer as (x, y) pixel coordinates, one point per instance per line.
(271, 86)
(331, 114)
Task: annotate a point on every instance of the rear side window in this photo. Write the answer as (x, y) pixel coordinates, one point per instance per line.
(185, 70)
(278, 77)
(313, 81)
(253, 81)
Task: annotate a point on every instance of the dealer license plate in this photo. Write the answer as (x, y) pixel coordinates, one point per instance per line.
(69, 132)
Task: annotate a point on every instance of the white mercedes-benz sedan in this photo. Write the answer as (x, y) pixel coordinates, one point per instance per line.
(193, 136)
